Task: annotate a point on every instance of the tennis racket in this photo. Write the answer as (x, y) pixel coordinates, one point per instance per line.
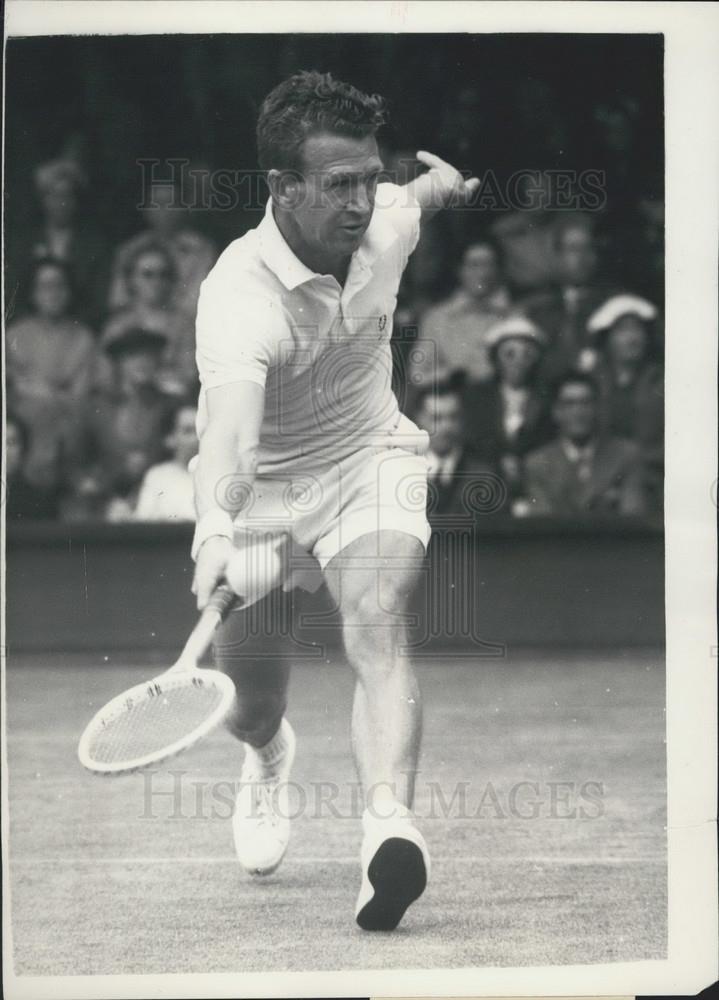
(161, 717)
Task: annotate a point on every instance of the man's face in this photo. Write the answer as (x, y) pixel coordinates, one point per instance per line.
(163, 213)
(478, 273)
(628, 339)
(151, 279)
(51, 295)
(576, 256)
(441, 417)
(139, 367)
(575, 412)
(335, 197)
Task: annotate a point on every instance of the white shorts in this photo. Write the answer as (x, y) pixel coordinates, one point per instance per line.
(374, 489)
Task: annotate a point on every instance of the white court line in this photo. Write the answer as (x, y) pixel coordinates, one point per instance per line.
(354, 859)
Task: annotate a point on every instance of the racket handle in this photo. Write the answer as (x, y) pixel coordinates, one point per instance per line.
(214, 613)
(223, 597)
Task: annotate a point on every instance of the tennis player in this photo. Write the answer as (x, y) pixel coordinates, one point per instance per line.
(299, 429)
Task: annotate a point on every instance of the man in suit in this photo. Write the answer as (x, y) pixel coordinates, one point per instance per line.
(459, 483)
(562, 311)
(582, 472)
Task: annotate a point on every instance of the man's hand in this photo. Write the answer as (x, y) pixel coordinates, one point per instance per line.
(442, 186)
(210, 567)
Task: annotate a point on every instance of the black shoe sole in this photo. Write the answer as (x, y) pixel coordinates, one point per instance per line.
(398, 876)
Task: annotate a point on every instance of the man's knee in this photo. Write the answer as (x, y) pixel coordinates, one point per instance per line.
(256, 719)
(375, 622)
(381, 598)
(260, 693)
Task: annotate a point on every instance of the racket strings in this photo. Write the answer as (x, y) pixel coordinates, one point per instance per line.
(154, 722)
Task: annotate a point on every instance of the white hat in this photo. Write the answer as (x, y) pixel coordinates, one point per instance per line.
(515, 325)
(616, 307)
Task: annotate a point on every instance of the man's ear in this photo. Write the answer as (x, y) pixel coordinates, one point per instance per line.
(286, 187)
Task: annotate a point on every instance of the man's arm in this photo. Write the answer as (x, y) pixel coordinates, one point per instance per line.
(224, 477)
(441, 187)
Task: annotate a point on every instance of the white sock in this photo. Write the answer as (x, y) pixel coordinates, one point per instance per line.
(383, 809)
(267, 757)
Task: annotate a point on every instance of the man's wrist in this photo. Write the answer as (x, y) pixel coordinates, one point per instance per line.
(215, 522)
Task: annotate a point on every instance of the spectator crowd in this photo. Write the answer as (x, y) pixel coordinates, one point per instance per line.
(534, 371)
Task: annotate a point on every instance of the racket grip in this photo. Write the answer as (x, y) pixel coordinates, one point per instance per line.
(215, 612)
(222, 599)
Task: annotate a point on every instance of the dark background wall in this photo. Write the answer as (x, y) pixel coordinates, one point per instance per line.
(500, 102)
(107, 588)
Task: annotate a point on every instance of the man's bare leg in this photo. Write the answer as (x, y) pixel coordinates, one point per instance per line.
(372, 580)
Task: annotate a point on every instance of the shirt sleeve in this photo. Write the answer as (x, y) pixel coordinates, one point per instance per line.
(239, 337)
(400, 210)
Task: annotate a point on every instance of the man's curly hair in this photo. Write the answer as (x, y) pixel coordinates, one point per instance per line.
(311, 102)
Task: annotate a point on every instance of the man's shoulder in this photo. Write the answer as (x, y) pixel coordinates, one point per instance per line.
(618, 449)
(471, 464)
(240, 273)
(546, 454)
(239, 259)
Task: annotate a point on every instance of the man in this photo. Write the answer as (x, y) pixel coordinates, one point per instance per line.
(452, 468)
(126, 419)
(293, 350)
(582, 472)
(562, 312)
(455, 331)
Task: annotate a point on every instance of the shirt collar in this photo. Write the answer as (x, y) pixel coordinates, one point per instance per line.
(445, 465)
(575, 453)
(280, 259)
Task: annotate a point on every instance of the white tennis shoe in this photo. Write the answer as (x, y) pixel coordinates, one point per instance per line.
(395, 870)
(261, 820)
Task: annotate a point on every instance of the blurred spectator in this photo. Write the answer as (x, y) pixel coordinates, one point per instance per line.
(583, 472)
(638, 248)
(193, 254)
(51, 367)
(562, 312)
(167, 492)
(454, 332)
(453, 469)
(150, 280)
(125, 422)
(23, 500)
(631, 381)
(525, 235)
(509, 416)
(425, 280)
(85, 495)
(64, 233)
(122, 503)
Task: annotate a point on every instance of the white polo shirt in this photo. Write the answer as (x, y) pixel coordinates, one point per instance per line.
(321, 351)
